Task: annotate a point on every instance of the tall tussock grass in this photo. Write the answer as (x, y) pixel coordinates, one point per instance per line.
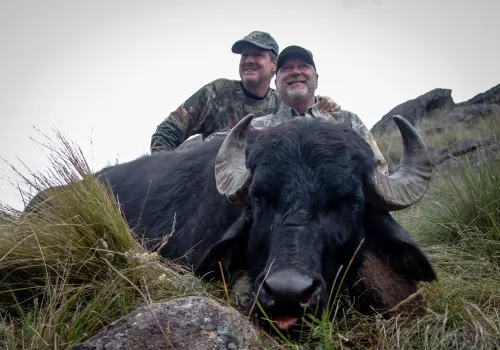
(461, 210)
(458, 224)
(73, 265)
(465, 212)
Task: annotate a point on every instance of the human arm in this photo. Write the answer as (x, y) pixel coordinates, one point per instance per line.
(182, 123)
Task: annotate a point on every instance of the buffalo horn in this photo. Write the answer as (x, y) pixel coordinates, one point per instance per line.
(408, 185)
(231, 174)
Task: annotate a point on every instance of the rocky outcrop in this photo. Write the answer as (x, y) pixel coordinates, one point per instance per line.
(491, 96)
(437, 108)
(437, 114)
(427, 106)
(465, 114)
(186, 323)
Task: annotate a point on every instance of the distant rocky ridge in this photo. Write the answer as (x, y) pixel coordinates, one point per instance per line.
(435, 112)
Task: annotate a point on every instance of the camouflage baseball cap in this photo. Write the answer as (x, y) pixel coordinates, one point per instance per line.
(297, 51)
(260, 39)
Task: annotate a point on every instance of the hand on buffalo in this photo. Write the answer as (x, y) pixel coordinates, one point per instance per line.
(327, 104)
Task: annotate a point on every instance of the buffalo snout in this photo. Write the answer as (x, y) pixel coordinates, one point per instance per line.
(291, 287)
(290, 294)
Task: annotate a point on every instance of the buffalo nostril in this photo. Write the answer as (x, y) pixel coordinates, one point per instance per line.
(290, 285)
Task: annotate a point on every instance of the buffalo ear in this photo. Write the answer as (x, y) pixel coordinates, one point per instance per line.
(391, 243)
(229, 250)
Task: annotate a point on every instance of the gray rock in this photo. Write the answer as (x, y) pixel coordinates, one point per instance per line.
(185, 323)
(430, 105)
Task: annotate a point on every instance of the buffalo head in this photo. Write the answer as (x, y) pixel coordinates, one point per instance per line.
(309, 187)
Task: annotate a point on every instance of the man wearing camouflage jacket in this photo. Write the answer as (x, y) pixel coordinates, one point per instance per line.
(219, 105)
(296, 82)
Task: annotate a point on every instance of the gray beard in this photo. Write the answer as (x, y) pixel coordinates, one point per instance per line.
(296, 93)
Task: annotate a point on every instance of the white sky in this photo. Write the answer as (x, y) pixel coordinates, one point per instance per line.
(110, 71)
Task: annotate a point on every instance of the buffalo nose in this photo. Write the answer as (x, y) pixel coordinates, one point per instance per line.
(290, 285)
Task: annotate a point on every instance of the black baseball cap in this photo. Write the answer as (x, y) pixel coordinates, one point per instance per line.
(260, 39)
(295, 51)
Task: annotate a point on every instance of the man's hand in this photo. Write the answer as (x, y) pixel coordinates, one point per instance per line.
(327, 104)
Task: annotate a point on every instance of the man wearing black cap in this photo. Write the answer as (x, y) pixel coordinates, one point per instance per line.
(219, 105)
(296, 82)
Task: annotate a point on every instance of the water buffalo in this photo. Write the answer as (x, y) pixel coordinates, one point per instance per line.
(289, 205)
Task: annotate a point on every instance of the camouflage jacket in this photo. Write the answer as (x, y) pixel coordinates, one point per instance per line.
(286, 113)
(216, 107)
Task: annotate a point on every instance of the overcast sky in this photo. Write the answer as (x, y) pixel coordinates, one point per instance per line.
(107, 73)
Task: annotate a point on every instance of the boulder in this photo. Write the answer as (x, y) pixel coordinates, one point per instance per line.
(185, 323)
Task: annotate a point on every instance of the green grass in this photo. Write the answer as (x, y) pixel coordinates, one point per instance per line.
(75, 267)
(464, 211)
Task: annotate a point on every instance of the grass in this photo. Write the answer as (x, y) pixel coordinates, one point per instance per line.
(464, 211)
(458, 225)
(75, 267)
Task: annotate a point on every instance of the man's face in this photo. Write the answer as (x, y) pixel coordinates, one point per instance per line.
(296, 78)
(256, 65)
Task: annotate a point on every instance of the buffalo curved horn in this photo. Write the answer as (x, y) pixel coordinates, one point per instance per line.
(231, 174)
(410, 182)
